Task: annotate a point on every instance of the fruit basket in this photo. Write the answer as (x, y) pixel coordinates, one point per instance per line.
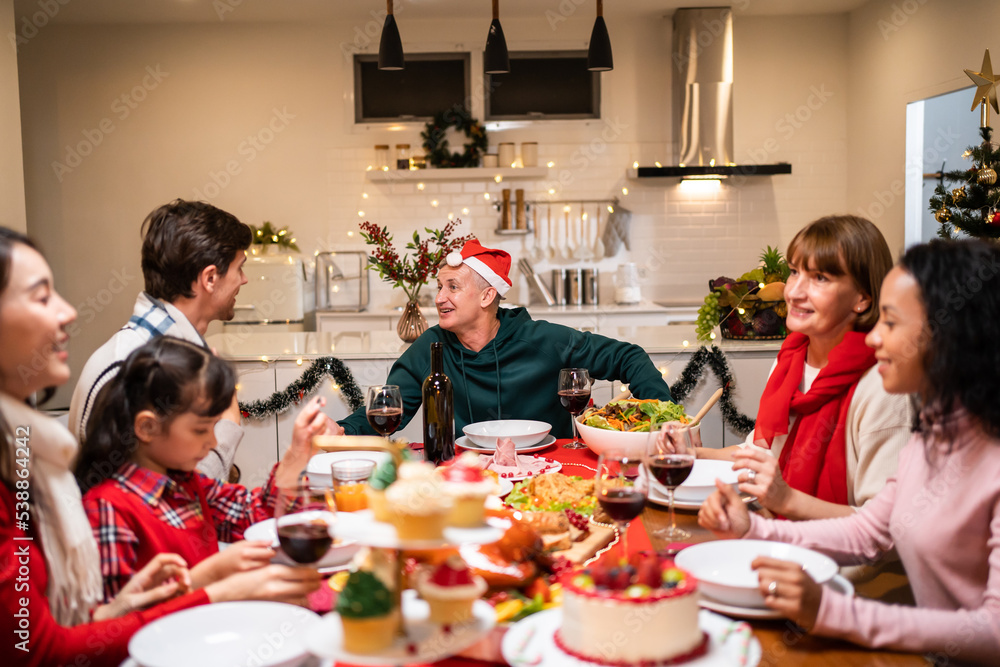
(751, 307)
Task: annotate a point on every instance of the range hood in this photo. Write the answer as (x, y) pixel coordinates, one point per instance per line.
(702, 67)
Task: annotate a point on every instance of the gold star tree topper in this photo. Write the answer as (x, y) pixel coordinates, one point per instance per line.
(986, 88)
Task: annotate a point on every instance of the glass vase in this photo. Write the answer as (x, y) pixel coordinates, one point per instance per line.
(412, 322)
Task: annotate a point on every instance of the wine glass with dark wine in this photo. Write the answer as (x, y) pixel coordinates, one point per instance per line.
(670, 459)
(304, 523)
(384, 408)
(620, 488)
(574, 395)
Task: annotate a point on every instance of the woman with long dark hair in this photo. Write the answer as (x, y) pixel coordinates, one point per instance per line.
(941, 512)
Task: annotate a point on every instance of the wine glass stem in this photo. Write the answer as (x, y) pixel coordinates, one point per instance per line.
(576, 440)
(623, 527)
(673, 523)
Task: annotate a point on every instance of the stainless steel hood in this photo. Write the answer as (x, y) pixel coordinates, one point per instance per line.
(702, 68)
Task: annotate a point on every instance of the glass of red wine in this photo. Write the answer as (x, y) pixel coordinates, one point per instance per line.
(574, 395)
(304, 523)
(620, 489)
(384, 408)
(670, 459)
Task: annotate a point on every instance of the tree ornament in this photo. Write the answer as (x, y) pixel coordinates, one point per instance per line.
(958, 195)
(994, 218)
(986, 89)
(987, 176)
(942, 215)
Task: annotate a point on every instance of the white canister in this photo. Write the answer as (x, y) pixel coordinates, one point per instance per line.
(627, 288)
(529, 154)
(505, 154)
(490, 160)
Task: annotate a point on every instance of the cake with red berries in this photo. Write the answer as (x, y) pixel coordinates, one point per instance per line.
(450, 589)
(468, 486)
(643, 611)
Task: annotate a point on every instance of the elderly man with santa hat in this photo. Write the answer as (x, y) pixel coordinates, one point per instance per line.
(502, 363)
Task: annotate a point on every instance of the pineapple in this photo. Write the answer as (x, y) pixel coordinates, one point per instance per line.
(775, 266)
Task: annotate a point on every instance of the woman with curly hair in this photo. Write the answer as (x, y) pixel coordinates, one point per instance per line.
(942, 510)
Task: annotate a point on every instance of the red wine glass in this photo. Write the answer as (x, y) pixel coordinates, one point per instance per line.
(384, 408)
(304, 523)
(670, 459)
(574, 395)
(620, 489)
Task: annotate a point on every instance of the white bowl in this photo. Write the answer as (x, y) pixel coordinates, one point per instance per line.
(601, 439)
(701, 482)
(722, 568)
(523, 432)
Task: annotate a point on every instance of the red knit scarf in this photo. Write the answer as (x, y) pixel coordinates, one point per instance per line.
(814, 459)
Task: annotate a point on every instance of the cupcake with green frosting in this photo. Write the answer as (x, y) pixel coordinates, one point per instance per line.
(382, 477)
(368, 614)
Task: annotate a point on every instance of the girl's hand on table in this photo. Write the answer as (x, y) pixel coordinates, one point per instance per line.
(276, 583)
(237, 557)
(724, 513)
(763, 479)
(161, 579)
(788, 589)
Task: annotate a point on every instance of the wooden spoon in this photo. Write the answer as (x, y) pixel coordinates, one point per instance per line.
(708, 406)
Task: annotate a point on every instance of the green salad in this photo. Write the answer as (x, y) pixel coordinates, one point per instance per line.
(634, 416)
(520, 499)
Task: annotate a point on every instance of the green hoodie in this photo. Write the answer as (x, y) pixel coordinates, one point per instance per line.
(515, 375)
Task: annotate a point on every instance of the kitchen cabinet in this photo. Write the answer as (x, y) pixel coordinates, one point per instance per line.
(466, 174)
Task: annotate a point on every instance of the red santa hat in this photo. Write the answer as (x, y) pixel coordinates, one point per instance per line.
(492, 265)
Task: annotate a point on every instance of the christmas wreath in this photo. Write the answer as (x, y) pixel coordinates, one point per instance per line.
(438, 154)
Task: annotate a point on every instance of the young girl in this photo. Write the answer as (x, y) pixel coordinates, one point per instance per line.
(942, 510)
(150, 427)
(52, 615)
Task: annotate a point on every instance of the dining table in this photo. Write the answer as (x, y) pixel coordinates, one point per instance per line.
(782, 641)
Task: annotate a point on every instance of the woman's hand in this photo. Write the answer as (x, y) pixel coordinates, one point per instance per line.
(763, 479)
(724, 513)
(237, 557)
(161, 579)
(277, 583)
(788, 589)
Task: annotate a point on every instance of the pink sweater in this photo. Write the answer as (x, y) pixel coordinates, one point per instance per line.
(943, 517)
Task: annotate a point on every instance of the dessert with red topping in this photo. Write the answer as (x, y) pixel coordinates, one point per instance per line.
(467, 484)
(643, 611)
(450, 589)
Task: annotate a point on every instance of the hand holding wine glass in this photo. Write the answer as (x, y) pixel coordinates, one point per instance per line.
(620, 488)
(574, 395)
(304, 523)
(670, 458)
(384, 408)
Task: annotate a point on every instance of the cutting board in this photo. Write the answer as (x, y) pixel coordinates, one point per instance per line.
(598, 538)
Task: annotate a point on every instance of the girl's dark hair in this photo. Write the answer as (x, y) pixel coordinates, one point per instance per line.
(167, 375)
(960, 289)
(8, 239)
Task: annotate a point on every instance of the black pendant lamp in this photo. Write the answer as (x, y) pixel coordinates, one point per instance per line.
(390, 48)
(599, 57)
(496, 60)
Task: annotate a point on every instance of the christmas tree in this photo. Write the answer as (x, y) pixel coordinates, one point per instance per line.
(970, 204)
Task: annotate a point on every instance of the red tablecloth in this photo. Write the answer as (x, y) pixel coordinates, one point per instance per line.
(582, 462)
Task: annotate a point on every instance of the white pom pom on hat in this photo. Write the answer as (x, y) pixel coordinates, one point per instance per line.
(454, 258)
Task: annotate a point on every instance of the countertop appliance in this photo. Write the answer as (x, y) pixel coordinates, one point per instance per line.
(342, 281)
(274, 293)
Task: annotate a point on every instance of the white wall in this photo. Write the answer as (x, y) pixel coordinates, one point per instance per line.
(12, 207)
(900, 52)
(219, 84)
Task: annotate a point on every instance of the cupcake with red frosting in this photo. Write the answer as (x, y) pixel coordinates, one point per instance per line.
(467, 485)
(450, 589)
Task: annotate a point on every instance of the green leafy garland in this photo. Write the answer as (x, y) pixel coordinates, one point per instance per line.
(438, 153)
(715, 359)
(268, 234)
(974, 206)
(280, 401)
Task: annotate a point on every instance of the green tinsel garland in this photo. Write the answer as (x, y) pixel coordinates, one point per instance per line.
(280, 401)
(715, 359)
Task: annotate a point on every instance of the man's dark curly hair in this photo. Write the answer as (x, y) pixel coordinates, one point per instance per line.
(960, 289)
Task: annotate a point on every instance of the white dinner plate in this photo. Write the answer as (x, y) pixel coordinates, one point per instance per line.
(530, 642)
(362, 527)
(268, 634)
(428, 641)
(506, 486)
(338, 557)
(658, 497)
(318, 467)
(838, 584)
(554, 466)
(465, 443)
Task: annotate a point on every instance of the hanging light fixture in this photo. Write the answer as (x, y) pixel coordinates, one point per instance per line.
(390, 48)
(496, 59)
(599, 57)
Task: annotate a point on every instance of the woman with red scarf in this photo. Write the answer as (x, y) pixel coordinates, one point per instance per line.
(828, 435)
